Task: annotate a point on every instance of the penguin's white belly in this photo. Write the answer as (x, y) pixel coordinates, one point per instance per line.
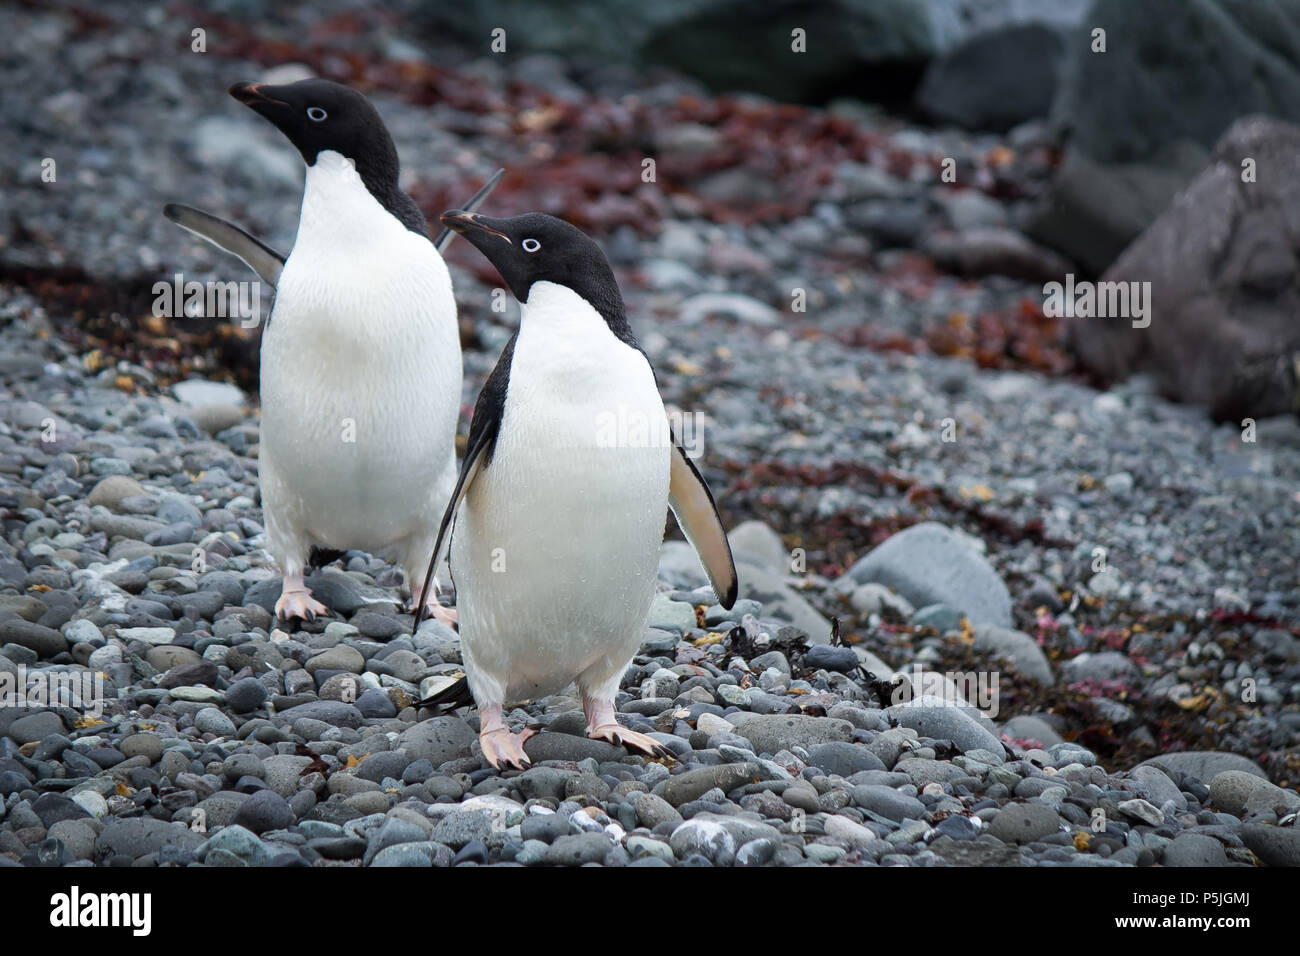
(556, 546)
(360, 383)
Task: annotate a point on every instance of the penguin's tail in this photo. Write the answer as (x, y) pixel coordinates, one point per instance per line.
(319, 557)
(450, 697)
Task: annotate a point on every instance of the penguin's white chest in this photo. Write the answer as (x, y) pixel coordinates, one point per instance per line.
(361, 370)
(556, 546)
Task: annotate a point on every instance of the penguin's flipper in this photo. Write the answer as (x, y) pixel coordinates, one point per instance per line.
(228, 237)
(483, 430)
(697, 514)
(447, 235)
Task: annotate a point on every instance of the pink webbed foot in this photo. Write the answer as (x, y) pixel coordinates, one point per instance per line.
(618, 734)
(602, 725)
(433, 608)
(439, 613)
(298, 602)
(502, 749)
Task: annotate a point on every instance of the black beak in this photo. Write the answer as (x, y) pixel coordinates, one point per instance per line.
(254, 95)
(466, 223)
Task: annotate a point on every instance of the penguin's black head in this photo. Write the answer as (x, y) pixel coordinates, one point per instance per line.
(318, 115)
(535, 248)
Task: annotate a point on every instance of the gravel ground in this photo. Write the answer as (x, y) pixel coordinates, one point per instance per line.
(1124, 570)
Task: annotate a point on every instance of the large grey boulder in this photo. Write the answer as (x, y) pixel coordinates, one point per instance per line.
(1224, 268)
(875, 50)
(782, 602)
(1177, 70)
(1093, 210)
(1141, 117)
(930, 564)
(995, 80)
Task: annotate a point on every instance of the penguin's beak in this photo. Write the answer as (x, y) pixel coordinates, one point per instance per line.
(469, 223)
(257, 97)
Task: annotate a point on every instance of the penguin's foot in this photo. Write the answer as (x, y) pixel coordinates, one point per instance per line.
(445, 614)
(618, 734)
(501, 747)
(298, 602)
(434, 610)
(602, 725)
(433, 607)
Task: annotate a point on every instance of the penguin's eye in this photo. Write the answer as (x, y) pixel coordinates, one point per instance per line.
(530, 245)
(316, 114)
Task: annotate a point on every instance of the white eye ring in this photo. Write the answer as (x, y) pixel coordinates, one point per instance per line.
(316, 114)
(530, 245)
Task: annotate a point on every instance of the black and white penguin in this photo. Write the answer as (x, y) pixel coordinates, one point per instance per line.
(360, 362)
(558, 516)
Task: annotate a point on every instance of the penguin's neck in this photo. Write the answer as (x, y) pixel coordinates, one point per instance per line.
(567, 357)
(560, 310)
(557, 311)
(337, 208)
(561, 331)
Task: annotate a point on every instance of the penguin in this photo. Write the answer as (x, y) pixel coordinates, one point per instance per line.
(558, 518)
(360, 361)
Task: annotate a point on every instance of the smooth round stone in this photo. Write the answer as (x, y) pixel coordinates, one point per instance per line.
(111, 491)
(826, 657)
(264, 810)
(13, 782)
(35, 727)
(375, 703)
(209, 720)
(83, 632)
(888, 803)
(105, 656)
(379, 626)
(168, 656)
(958, 827)
(1024, 823)
(1195, 849)
(424, 853)
(246, 695)
(142, 745)
(801, 796)
(338, 658)
(91, 802)
(824, 853)
(843, 759)
(198, 694)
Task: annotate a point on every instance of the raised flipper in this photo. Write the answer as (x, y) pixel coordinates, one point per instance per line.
(697, 514)
(483, 430)
(449, 234)
(228, 237)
